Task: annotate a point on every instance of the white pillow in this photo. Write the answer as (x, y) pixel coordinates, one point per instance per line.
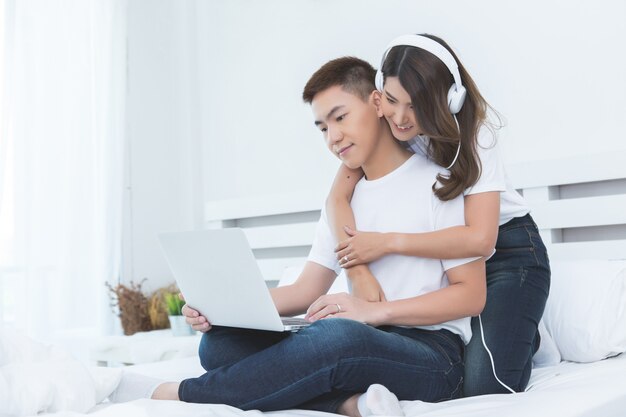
(586, 310)
(38, 378)
(548, 354)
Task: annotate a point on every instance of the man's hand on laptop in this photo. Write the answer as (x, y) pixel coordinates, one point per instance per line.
(194, 319)
(345, 306)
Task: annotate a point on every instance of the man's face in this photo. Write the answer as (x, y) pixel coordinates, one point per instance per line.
(350, 125)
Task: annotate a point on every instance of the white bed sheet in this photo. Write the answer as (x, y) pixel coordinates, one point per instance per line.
(565, 390)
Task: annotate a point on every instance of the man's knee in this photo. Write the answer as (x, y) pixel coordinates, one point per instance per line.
(339, 334)
(216, 348)
(338, 327)
(206, 352)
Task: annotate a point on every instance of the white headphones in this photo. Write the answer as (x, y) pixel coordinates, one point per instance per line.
(456, 94)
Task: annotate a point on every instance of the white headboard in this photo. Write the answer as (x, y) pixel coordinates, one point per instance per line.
(579, 205)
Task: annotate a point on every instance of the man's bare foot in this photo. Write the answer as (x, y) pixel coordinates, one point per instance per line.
(349, 407)
(166, 391)
(377, 401)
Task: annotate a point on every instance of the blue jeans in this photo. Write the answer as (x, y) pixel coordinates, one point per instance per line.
(320, 367)
(518, 282)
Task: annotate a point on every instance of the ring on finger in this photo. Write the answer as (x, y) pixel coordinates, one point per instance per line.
(339, 309)
(345, 259)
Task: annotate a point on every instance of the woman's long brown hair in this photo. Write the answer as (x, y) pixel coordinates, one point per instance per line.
(427, 81)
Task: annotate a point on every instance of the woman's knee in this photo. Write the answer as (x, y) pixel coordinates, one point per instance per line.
(480, 379)
(474, 385)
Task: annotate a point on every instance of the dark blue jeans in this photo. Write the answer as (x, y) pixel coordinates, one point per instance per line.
(518, 282)
(322, 366)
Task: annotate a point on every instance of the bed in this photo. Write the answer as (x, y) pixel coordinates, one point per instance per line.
(568, 389)
(579, 205)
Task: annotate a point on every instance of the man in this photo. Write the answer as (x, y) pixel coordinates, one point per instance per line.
(411, 343)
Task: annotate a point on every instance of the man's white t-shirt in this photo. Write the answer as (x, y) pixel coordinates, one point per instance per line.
(493, 175)
(401, 201)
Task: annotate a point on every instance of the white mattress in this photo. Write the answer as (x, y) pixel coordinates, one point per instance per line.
(566, 390)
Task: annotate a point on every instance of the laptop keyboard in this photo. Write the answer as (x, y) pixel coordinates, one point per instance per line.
(294, 321)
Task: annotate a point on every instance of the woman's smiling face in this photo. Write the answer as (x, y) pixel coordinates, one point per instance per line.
(398, 110)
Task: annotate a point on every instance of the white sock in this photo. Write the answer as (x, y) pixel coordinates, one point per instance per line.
(134, 386)
(379, 401)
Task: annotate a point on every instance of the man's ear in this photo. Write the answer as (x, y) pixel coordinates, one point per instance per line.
(377, 98)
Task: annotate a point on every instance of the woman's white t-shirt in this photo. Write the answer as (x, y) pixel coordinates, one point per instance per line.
(493, 175)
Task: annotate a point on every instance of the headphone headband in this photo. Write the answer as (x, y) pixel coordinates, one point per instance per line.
(456, 94)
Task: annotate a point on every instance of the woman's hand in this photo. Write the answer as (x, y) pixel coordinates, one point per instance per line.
(360, 248)
(345, 306)
(194, 319)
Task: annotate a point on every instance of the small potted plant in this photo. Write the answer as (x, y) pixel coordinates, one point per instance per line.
(174, 307)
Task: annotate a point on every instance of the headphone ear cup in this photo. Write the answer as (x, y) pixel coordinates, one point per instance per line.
(456, 98)
(379, 80)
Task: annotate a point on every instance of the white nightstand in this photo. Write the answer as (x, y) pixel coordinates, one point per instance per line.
(143, 347)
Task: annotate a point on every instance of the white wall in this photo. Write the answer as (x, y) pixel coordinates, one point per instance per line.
(554, 69)
(164, 183)
(214, 91)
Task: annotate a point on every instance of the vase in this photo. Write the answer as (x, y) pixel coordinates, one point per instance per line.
(180, 327)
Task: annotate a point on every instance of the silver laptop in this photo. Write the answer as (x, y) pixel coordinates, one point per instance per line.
(218, 274)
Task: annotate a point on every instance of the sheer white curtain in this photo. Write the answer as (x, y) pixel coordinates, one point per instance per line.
(61, 162)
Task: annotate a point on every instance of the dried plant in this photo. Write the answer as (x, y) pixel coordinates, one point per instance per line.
(132, 305)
